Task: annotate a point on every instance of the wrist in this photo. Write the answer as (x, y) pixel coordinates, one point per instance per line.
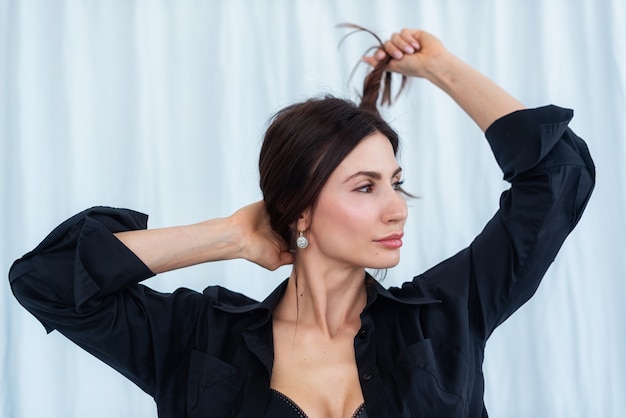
(230, 242)
(443, 70)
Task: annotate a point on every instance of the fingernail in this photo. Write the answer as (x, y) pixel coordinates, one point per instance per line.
(415, 45)
(397, 55)
(380, 55)
(409, 49)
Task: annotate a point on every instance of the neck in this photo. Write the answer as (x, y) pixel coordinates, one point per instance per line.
(325, 299)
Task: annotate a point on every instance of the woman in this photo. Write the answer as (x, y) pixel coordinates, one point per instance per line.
(330, 341)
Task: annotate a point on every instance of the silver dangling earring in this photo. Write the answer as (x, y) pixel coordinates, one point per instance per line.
(301, 241)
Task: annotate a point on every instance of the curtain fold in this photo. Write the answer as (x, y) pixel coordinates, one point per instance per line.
(161, 107)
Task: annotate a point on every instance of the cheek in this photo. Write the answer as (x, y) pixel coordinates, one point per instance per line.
(341, 218)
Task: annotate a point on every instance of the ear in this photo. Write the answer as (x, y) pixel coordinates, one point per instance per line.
(304, 220)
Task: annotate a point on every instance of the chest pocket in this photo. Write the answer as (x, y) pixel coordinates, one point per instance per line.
(425, 382)
(213, 386)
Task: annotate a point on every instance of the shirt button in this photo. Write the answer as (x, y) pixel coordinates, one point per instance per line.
(367, 377)
(362, 334)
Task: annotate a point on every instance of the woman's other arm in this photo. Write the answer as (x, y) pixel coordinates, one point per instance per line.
(417, 53)
(549, 167)
(83, 280)
(246, 234)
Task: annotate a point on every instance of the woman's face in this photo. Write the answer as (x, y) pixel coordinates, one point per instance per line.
(359, 217)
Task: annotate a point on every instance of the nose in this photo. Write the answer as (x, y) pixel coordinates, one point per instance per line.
(396, 208)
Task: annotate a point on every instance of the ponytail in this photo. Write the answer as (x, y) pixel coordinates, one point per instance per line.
(377, 83)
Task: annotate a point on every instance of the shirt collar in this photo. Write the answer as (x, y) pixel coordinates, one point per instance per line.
(264, 309)
(374, 291)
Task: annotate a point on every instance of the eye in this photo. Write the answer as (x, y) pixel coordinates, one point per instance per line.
(398, 185)
(366, 188)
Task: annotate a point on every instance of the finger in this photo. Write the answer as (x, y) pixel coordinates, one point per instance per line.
(286, 257)
(401, 43)
(283, 259)
(374, 59)
(393, 50)
(411, 36)
(393, 67)
(370, 60)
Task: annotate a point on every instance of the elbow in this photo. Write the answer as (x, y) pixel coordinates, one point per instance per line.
(574, 175)
(586, 184)
(586, 180)
(30, 292)
(18, 273)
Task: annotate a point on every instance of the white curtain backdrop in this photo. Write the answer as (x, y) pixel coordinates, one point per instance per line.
(160, 106)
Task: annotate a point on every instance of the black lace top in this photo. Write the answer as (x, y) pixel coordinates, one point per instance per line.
(281, 406)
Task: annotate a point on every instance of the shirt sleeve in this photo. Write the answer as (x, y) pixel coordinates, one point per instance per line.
(552, 176)
(84, 282)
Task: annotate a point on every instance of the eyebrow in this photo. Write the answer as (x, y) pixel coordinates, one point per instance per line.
(372, 174)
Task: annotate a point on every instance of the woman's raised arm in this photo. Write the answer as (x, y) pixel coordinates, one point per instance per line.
(550, 170)
(417, 53)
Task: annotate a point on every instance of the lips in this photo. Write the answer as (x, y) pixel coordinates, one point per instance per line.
(391, 241)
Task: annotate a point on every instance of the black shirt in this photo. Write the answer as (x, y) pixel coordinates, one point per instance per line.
(420, 348)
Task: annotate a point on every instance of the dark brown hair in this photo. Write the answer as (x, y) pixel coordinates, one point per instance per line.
(304, 144)
(378, 81)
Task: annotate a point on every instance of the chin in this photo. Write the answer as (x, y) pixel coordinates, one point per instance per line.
(383, 264)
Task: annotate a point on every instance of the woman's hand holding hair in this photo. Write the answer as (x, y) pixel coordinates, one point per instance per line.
(417, 53)
(260, 244)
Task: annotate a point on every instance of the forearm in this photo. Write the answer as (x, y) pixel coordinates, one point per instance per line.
(172, 248)
(246, 234)
(482, 99)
